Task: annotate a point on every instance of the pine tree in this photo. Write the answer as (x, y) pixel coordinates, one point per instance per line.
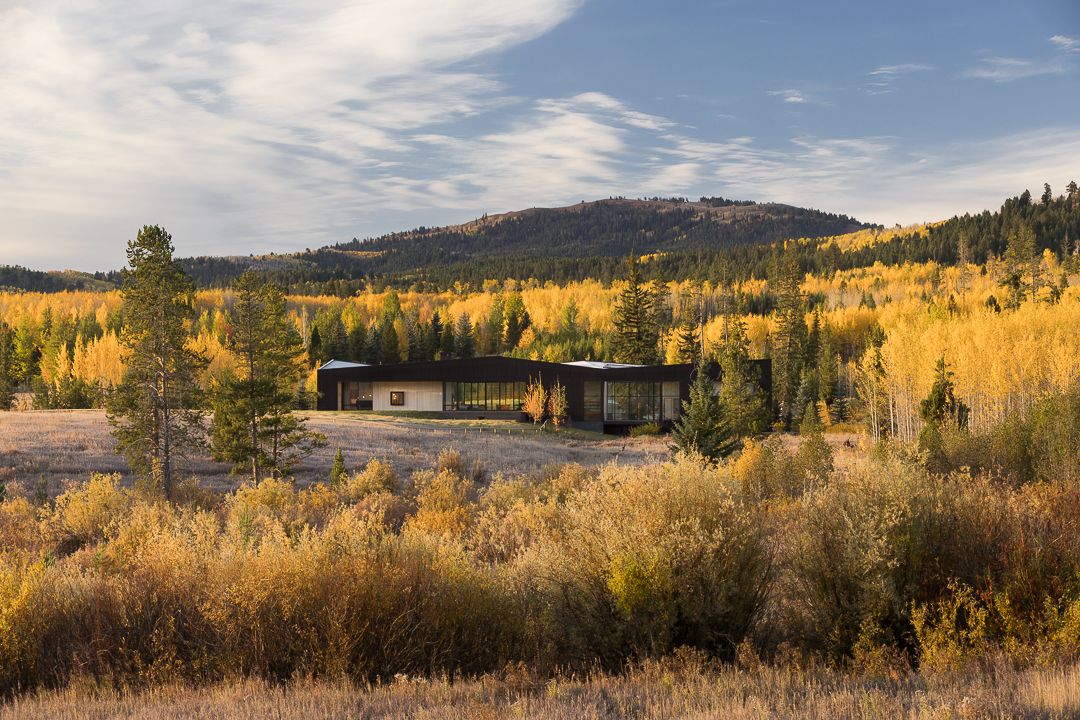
(464, 340)
(687, 343)
(941, 406)
(740, 391)
(703, 427)
(389, 347)
(790, 337)
(515, 320)
(7, 366)
(155, 410)
(253, 426)
(447, 341)
(338, 474)
(636, 328)
(315, 346)
(1023, 266)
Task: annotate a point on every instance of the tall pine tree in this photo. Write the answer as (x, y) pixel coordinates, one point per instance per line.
(155, 411)
(787, 343)
(636, 328)
(254, 426)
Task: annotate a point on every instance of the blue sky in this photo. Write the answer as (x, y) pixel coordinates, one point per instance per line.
(253, 126)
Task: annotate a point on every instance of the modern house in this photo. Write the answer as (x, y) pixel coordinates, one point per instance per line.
(601, 396)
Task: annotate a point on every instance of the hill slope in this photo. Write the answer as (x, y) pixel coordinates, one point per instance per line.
(589, 239)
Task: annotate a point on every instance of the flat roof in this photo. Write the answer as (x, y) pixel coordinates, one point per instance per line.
(599, 365)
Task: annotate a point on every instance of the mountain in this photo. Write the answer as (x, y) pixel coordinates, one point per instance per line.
(589, 239)
(16, 277)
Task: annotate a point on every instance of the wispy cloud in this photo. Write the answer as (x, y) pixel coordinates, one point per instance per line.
(268, 125)
(885, 76)
(902, 69)
(795, 97)
(1066, 43)
(1007, 69)
(278, 125)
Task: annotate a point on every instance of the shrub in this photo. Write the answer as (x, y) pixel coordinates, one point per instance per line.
(378, 476)
(83, 514)
(874, 541)
(645, 560)
(645, 429)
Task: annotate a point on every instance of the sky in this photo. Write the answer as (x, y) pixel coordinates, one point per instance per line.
(251, 126)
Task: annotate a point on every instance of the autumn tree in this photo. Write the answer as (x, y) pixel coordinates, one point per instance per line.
(254, 427)
(557, 406)
(155, 411)
(535, 401)
(636, 329)
(703, 428)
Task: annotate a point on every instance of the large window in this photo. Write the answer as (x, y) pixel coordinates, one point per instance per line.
(356, 396)
(633, 401)
(490, 396)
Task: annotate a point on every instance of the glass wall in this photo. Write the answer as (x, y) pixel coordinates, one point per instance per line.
(356, 396)
(633, 401)
(492, 396)
(641, 401)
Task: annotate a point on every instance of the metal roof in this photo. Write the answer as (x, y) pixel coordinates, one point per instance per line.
(335, 364)
(598, 365)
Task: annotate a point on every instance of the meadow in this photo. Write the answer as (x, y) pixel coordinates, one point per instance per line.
(66, 445)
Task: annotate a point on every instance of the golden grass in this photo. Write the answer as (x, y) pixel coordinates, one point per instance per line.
(67, 445)
(668, 689)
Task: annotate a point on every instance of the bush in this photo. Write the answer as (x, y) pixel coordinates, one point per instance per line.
(871, 543)
(378, 476)
(645, 560)
(648, 429)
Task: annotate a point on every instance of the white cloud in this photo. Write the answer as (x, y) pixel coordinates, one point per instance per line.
(1006, 69)
(902, 69)
(795, 97)
(1066, 43)
(257, 126)
(265, 124)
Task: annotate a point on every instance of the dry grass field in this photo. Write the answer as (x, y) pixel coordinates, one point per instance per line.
(66, 445)
(656, 690)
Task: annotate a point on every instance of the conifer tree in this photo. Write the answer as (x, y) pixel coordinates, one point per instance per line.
(790, 337)
(338, 474)
(7, 366)
(740, 390)
(687, 343)
(1023, 267)
(389, 346)
(703, 427)
(464, 340)
(636, 330)
(941, 406)
(155, 411)
(447, 341)
(515, 320)
(254, 427)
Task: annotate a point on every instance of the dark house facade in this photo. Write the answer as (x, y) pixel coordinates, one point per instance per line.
(601, 396)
